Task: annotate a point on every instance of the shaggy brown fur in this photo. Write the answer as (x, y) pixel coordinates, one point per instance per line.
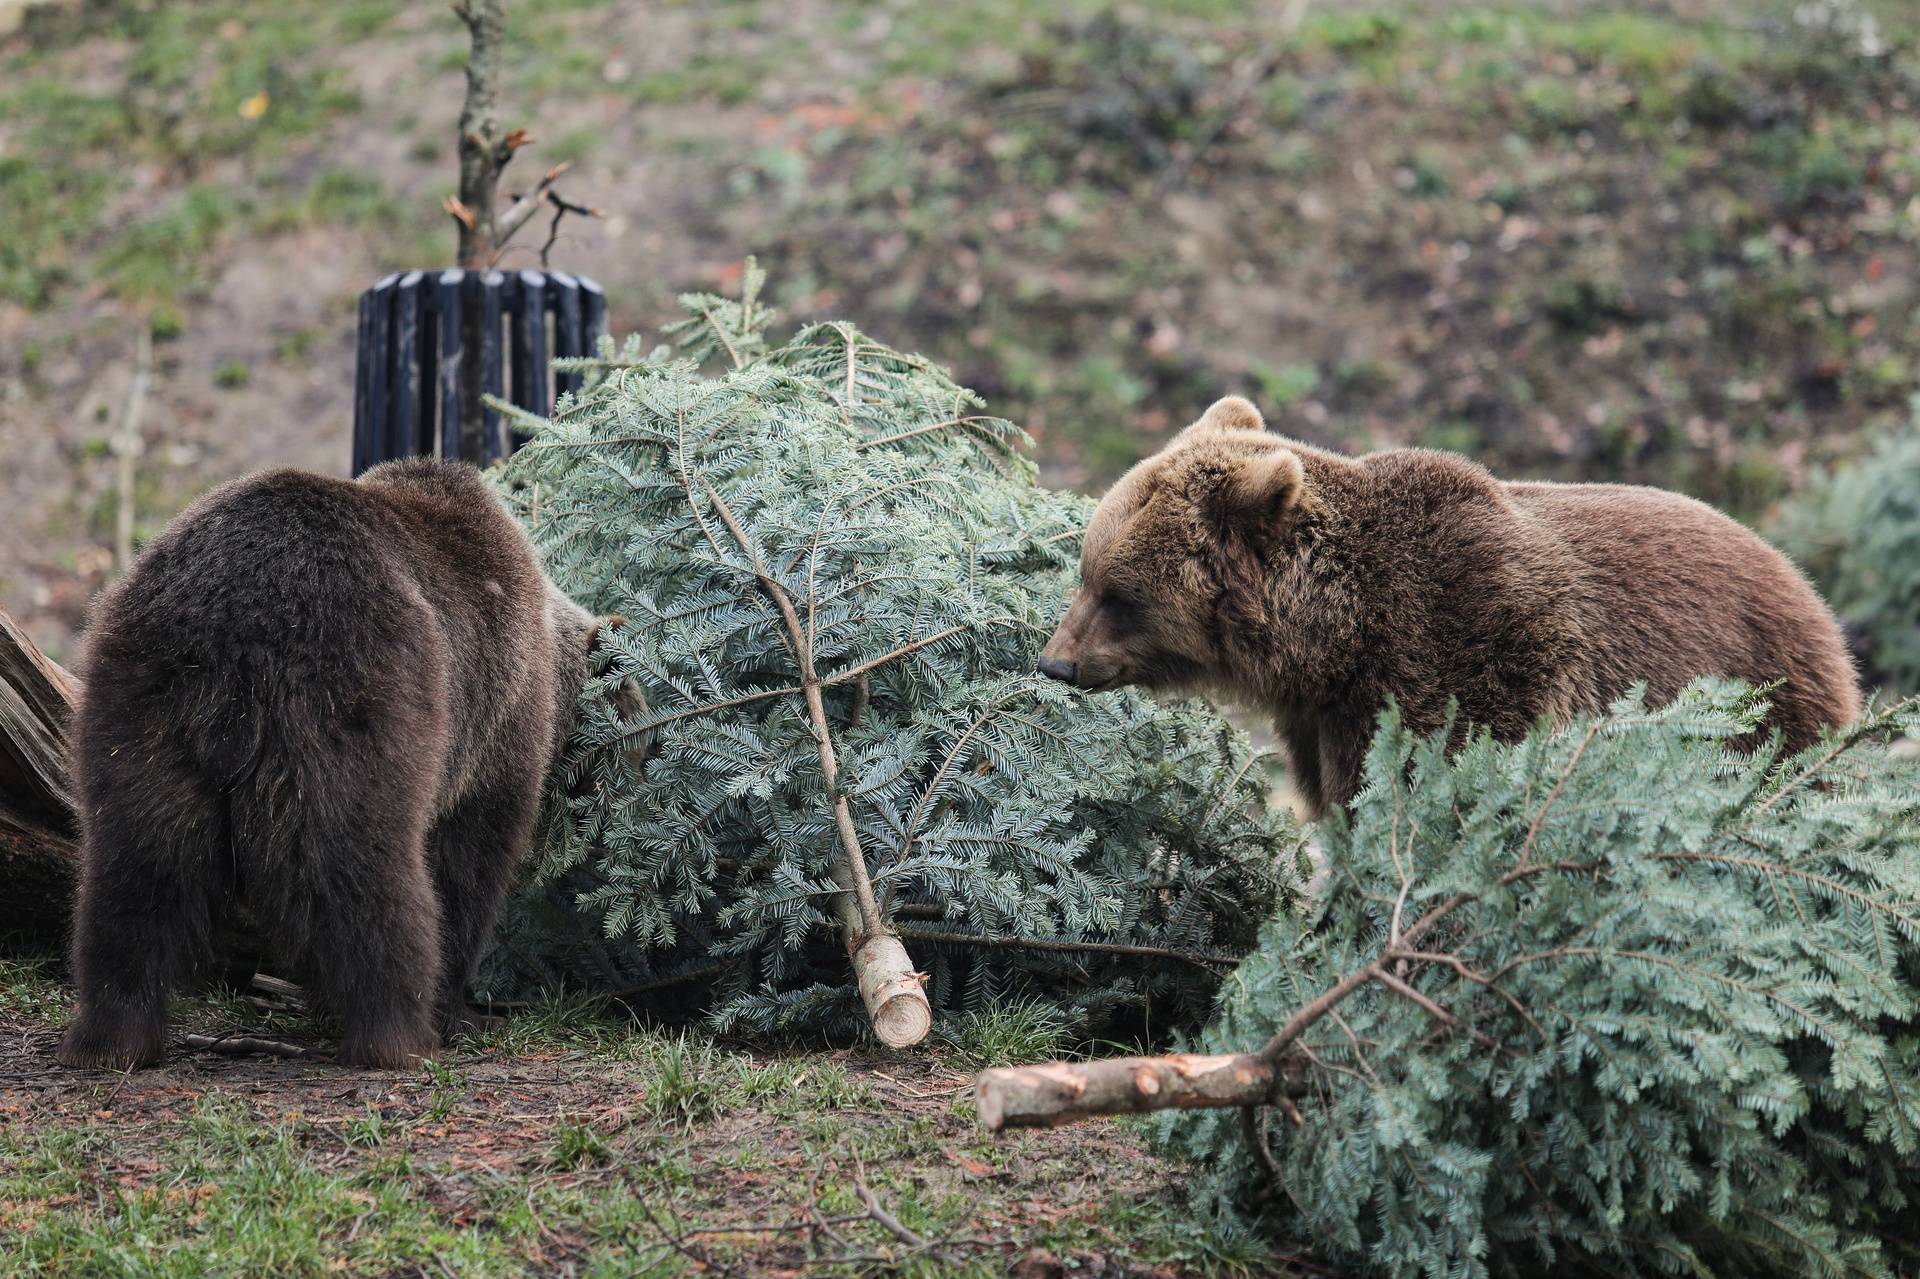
(333, 703)
(1315, 586)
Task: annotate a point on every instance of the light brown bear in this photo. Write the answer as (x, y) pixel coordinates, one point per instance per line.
(1316, 586)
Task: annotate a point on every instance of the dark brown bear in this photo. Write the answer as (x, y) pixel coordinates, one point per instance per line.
(333, 703)
(1316, 586)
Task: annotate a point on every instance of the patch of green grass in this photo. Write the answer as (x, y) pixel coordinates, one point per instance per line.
(227, 1007)
(1169, 1234)
(578, 1144)
(51, 108)
(1005, 1034)
(159, 259)
(1642, 46)
(368, 1130)
(571, 147)
(237, 1185)
(1581, 302)
(1816, 169)
(28, 990)
(37, 254)
(1285, 384)
(1352, 31)
(297, 346)
(232, 78)
(706, 77)
(166, 324)
(688, 1080)
(792, 1088)
(339, 196)
(1555, 105)
(233, 1196)
(156, 498)
(559, 1021)
(199, 82)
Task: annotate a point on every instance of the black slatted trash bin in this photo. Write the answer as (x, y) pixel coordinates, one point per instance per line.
(408, 366)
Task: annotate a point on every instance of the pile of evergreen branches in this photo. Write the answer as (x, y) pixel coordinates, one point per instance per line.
(1613, 1000)
(1109, 855)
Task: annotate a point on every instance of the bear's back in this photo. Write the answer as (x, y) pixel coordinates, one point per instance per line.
(295, 607)
(1670, 589)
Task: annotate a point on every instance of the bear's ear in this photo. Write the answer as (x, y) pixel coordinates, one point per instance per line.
(1225, 413)
(1233, 413)
(1230, 413)
(1252, 493)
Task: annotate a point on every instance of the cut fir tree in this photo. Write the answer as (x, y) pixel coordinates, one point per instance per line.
(1609, 1000)
(837, 571)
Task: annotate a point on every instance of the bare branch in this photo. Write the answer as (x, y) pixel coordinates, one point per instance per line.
(523, 208)
(1202, 959)
(128, 448)
(247, 1046)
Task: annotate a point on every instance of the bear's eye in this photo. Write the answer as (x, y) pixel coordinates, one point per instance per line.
(1122, 611)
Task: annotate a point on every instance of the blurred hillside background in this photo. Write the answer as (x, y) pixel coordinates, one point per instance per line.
(1666, 242)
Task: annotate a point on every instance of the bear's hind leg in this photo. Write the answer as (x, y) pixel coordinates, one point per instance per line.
(345, 890)
(474, 850)
(142, 925)
(383, 973)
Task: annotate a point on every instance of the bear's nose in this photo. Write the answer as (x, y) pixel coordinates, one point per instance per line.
(1054, 668)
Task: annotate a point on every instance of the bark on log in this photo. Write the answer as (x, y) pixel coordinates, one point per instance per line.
(39, 849)
(1061, 1092)
(889, 985)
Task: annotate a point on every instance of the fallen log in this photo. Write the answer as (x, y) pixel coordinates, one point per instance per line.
(1060, 1092)
(39, 833)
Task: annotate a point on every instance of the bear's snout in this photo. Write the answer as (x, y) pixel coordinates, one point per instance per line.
(1054, 668)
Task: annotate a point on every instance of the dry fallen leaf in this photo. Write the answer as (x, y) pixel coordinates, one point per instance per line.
(969, 1165)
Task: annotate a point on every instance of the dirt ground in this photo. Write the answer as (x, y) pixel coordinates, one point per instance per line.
(557, 1144)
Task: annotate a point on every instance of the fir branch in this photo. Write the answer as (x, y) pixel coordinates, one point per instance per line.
(1202, 959)
(927, 429)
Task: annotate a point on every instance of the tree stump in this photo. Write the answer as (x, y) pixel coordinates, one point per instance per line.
(39, 832)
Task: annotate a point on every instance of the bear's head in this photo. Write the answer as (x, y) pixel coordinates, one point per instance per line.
(579, 655)
(1177, 538)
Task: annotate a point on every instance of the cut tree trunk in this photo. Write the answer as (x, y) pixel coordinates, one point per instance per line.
(39, 835)
(889, 985)
(1061, 1092)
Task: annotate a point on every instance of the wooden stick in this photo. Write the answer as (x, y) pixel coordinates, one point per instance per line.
(128, 448)
(1060, 1092)
(880, 1214)
(484, 152)
(279, 987)
(890, 986)
(247, 1046)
